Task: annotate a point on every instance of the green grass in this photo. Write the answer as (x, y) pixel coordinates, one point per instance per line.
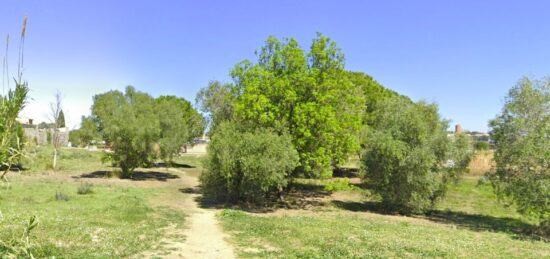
(469, 222)
(70, 160)
(110, 222)
(472, 198)
(344, 235)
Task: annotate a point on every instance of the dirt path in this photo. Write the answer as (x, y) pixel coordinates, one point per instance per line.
(203, 236)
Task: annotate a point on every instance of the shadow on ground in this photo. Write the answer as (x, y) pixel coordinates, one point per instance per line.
(297, 196)
(136, 176)
(171, 165)
(515, 227)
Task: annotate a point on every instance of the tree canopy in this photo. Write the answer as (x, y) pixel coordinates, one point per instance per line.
(179, 125)
(409, 158)
(216, 101)
(129, 124)
(307, 95)
(521, 135)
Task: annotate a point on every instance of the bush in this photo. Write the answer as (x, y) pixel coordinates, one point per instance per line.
(481, 146)
(59, 196)
(408, 158)
(84, 188)
(336, 185)
(247, 166)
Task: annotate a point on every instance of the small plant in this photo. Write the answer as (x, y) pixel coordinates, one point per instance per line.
(85, 188)
(336, 185)
(19, 248)
(59, 196)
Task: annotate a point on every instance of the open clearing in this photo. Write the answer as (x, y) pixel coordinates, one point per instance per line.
(159, 214)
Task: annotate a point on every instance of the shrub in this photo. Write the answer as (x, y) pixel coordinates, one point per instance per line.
(340, 184)
(481, 145)
(408, 158)
(59, 196)
(84, 188)
(247, 166)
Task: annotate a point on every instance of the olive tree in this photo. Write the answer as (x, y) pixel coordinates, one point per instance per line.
(247, 165)
(129, 125)
(408, 158)
(521, 135)
(179, 122)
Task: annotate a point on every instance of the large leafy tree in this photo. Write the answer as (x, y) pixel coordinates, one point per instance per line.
(180, 123)
(129, 124)
(521, 134)
(307, 95)
(408, 158)
(216, 101)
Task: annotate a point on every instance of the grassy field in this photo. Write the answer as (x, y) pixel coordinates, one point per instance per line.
(116, 219)
(469, 222)
(333, 218)
(111, 221)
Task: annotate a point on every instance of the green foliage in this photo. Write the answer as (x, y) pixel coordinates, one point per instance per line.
(339, 184)
(10, 131)
(217, 101)
(409, 159)
(87, 133)
(60, 119)
(247, 166)
(374, 94)
(307, 95)
(521, 138)
(19, 248)
(85, 188)
(179, 125)
(129, 124)
(481, 146)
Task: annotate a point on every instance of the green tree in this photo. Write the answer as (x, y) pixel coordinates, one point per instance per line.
(61, 119)
(521, 135)
(307, 95)
(408, 158)
(130, 126)
(216, 101)
(86, 134)
(180, 123)
(247, 166)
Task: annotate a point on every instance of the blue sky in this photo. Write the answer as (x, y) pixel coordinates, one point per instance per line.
(464, 55)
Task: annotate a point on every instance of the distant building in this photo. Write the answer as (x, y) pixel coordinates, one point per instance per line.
(458, 129)
(38, 133)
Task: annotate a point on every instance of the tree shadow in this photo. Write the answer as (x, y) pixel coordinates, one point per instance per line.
(296, 196)
(346, 172)
(171, 165)
(136, 176)
(517, 228)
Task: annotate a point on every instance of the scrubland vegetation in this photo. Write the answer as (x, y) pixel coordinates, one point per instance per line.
(306, 159)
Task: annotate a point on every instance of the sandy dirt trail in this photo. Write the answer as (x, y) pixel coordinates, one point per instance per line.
(204, 237)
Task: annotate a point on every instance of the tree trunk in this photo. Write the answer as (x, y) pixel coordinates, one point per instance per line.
(54, 164)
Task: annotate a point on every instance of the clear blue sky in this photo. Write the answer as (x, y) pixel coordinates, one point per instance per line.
(464, 55)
